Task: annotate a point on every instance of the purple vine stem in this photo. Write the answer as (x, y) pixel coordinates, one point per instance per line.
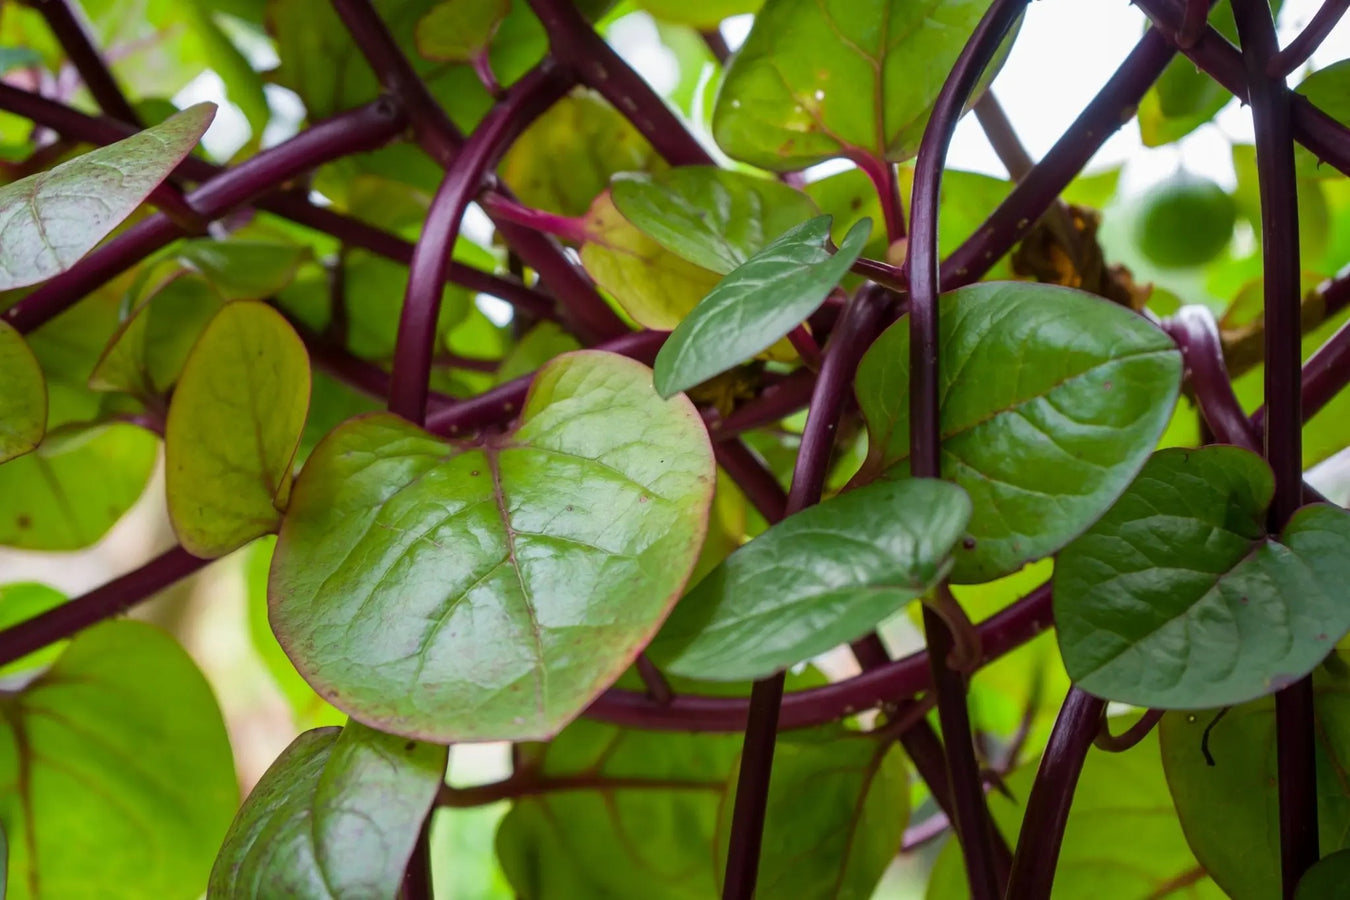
(68, 27)
(76, 125)
(1197, 334)
(1308, 40)
(971, 821)
(575, 44)
(113, 598)
(363, 128)
(439, 137)
(1040, 187)
(1193, 21)
(999, 634)
(1047, 810)
(759, 485)
(526, 99)
(1314, 129)
(1130, 737)
(850, 340)
(1271, 115)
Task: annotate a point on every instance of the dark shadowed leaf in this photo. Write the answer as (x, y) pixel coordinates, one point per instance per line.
(233, 429)
(491, 591)
(1052, 400)
(815, 580)
(335, 816)
(1230, 810)
(119, 772)
(48, 221)
(757, 304)
(1177, 599)
(1329, 879)
(23, 396)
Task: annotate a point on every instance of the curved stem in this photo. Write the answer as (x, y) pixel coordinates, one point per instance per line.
(525, 100)
(1119, 743)
(1195, 331)
(999, 634)
(971, 813)
(1035, 193)
(575, 44)
(754, 479)
(363, 128)
(1047, 811)
(1309, 39)
(1271, 114)
(855, 332)
(882, 175)
(113, 598)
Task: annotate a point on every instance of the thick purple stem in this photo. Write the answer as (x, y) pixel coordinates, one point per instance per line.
(973, 826)
(855, 332)
(68, 26)
(113, 598)
(1196, 332)
(999, 634)
(1269, 97)
(575, 44)
(1047, 812)
(1119, 743)
(360, 129)
(526, 99)
(754, 479)
(1309, 39)
(1035, 193)
(504, 209)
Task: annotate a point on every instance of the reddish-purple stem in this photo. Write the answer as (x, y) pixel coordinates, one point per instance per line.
(882, 175)
(1269, 96)
(1193, 22)
(1309, 39)
(971, 813)
(113, 598)
(502, 208)
(1195, 331)
(855, 332)
(363, 128)
(1047, 810)
(754, 479)
(526, 99)
(67, 24)
(1119, 743)
(575, 44)
(907, 677)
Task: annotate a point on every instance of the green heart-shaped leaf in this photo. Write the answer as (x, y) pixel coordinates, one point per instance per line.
(117, 770)
(459, 30)
(757, 304)
(713, 218)
(336, 815)
(857, 788)
(1176, 599)
(23, 396)
(233, 429)
(846, 78)
(815, 580)
(491, 592)
(1051, 401)
(48, 221)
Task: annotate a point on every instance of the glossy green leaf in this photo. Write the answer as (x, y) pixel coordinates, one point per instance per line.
(459, 30)
(757, 304)
(654, 286)
(1122, 840)
(335, 816)
(233, 428)
(1051, 400)
(846, 78)
(244, 269)
(23, 396)
(120, 777)
(1230, 810)
(1176, 599)
(564, 160)
(857, 789)
(490, 592)
(67, 493)
(1329, 879)
(715, 219)
(48, 221)
(649, 833)
(146, 355)
(815, 580)
(22, 601)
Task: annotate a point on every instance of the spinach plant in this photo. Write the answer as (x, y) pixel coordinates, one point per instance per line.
(735, 428)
